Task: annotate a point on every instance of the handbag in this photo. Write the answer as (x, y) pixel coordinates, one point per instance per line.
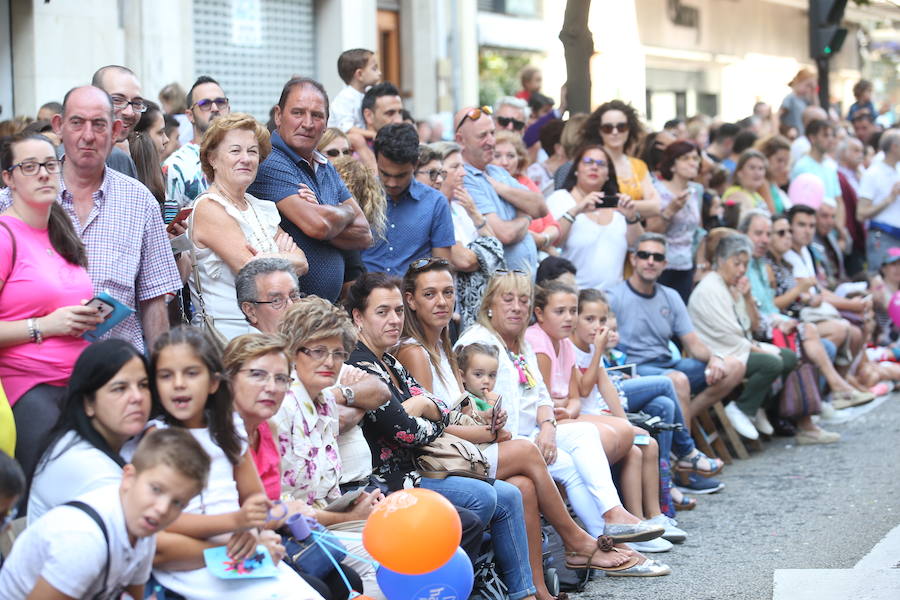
(312, 554)
(203, 319)
(800, 396)
(451, 455)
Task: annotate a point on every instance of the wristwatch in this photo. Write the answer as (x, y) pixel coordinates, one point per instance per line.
(551, 420)
(349, 396)
(637, 217)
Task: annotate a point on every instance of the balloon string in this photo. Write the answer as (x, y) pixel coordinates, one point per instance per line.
(372, 562)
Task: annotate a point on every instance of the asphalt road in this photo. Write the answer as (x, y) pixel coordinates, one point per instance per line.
(787, 507)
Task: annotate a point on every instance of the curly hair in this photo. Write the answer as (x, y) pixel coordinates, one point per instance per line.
(591, 129)
(365, 187)
(313, 318)
(399, 143)
(220, 127)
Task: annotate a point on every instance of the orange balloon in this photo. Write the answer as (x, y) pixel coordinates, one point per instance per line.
(413, 531)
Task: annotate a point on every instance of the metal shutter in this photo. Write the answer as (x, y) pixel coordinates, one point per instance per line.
(253, 71)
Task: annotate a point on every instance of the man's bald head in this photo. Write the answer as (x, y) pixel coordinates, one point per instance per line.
(813, 113)
(87, 92)
(475, 133)
(98, 79)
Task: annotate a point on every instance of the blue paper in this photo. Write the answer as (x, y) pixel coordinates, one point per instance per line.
(257, 566)
(120, 313)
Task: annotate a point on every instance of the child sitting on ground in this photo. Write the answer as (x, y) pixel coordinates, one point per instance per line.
(74, 552)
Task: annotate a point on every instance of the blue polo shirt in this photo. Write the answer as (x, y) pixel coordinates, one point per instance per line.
(521, 255)
(417, 221)
(279, 177)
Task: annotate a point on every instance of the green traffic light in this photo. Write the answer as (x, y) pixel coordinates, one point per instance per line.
(827, 49)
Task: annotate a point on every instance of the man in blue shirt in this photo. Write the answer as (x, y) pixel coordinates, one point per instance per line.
(508, 206)
(316, 207)
(418, 216)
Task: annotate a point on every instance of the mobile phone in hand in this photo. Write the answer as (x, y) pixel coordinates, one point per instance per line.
(103, 308)
(607, 201)
(496, 412)
(183, 214)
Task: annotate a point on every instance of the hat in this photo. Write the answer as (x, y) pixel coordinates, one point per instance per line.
(893, 255)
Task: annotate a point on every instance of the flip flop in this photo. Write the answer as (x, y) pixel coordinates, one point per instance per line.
(604, 544)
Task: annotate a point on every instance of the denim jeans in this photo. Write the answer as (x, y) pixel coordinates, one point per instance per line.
(655, 395)
(693, 368)
(500, 507)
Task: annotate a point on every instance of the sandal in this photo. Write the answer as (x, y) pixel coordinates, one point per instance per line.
(692, 465)
(604, 544)
(686, 503)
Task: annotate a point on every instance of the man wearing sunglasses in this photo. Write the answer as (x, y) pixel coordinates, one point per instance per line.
(508, 206)
(511, 113)
(650, 315)
(206, 101)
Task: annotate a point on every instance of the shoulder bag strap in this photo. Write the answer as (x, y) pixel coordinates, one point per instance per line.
(13, 239)
(89, 511)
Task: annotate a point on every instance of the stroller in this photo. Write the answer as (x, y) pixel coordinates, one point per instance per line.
(489, 586)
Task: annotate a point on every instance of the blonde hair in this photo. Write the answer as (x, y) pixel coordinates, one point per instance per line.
(505, 136)
(220, 127)
(175, 96)
(251, 346)
(571, 137)
(517, 283)
(365, 187)
(313, 318)
(329, 135)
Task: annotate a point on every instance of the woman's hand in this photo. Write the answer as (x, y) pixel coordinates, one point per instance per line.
(461, 195)
(242, 544)
(364, 505)
(69, 320)
(272, 542)
(254, 512)
(743, 285)
(587, 204)
(627, 207)
(678, 202)
(307, 194)
(546, 442)
(178, 227)
(351, 375)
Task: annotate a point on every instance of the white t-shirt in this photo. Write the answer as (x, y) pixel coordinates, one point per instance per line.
(345, 111)
(876, 184)
(67, 549)
(597, 251)
(593, 403)
(463, 227)
(802, 262)
(76, 467)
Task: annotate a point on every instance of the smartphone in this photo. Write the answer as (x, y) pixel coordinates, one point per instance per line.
(495, 412)
(183, 214)
(642, 439)
(608, 201)
(102, 306)
(345, 502)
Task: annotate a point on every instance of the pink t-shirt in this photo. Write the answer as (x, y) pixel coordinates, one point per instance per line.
(560, 365)
(40, 282)
(268, 462)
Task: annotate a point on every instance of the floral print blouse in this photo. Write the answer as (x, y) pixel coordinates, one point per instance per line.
(307, 442)
(392, 434)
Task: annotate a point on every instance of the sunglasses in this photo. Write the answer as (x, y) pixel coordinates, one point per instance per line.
(610, 127)
(475, 114)
(781, 232)
(421, 263)
(505, 122)
(657, 256)
(334, 152)
(597, 162)
(206, 105)
(508, 271)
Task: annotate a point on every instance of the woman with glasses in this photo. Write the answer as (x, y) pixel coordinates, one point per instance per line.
(679, 217)
(615, 125)
(334, 144)
(430, 170)
(229, 227)
(44, 286)
(259, 373)
(597, 222)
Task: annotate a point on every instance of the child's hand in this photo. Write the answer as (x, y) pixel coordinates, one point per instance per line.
(490, 397)
(560, 413)
(601, 339)
(272, 542)
(254, 512)
(242, 544)
(503, 435)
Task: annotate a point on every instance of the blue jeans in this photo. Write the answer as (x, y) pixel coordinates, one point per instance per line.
(655, 395)
(500, 507)
(693, 368)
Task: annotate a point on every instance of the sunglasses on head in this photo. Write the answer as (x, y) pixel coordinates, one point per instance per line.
(505, 122)
(610, 127)
(422, 263)
(334, 152)
(657, 256)
(474, 114)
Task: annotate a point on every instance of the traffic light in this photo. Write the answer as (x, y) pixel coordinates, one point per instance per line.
(826, 36)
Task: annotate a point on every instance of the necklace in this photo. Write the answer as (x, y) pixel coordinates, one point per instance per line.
(259, 239)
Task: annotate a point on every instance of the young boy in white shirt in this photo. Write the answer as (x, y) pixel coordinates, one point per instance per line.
(67, 554)
(359, 70)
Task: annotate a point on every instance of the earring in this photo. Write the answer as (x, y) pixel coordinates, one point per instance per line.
(490, 314)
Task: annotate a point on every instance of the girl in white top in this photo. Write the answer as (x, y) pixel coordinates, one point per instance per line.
(429, 299)
(596, 240)
(229, 227)
(233, 509)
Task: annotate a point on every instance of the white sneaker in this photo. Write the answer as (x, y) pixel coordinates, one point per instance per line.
(740, 421)
(672, 533)
(657, 545)
(761, 422)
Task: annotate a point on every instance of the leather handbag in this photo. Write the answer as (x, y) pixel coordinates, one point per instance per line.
(451, 455)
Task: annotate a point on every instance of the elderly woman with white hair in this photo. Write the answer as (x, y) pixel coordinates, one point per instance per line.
(724, 314)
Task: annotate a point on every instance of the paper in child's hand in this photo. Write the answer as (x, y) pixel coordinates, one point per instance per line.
(222, 566)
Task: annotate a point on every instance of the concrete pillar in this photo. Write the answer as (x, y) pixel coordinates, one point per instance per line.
(464, 57)
(159, 43)
(419, 43)
(341, 25)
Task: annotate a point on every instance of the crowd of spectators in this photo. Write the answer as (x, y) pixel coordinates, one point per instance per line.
(319, 300)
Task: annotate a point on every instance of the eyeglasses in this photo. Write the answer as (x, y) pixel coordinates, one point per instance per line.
(781, 232)
(9, 518)
(421, 263)
(475, 114)
(206, 104)
(609, 127)
(508, 271)
(597, 162)
(505, 122)
(31, 167)
(121, 103)
(433, 174)
(280, 302)
(321, 353)
(261, 377)
(334, 152)
(657, 256)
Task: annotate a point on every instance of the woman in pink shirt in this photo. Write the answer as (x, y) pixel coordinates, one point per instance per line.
(43, 287)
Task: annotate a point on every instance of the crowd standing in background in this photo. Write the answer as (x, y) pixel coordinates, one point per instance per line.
(311, 306)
